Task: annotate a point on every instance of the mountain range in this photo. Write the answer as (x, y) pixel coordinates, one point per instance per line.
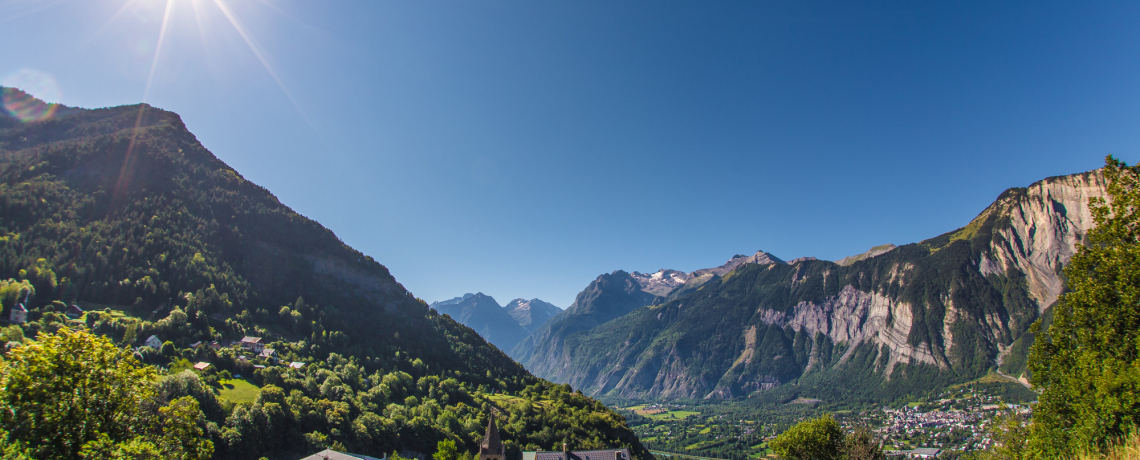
(893, 321)
(122, 210)
(504, 327)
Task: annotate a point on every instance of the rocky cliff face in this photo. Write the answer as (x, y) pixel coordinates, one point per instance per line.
(1046, 222)
(924, 314)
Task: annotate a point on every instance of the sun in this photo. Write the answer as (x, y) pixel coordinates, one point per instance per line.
(168, 11)
(199, 8)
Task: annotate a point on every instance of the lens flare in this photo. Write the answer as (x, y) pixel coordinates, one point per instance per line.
(25, 107)
(17, 100)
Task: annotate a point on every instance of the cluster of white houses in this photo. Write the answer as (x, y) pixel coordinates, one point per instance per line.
(252, 344)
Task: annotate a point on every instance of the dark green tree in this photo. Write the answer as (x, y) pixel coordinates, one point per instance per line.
(1086, 364)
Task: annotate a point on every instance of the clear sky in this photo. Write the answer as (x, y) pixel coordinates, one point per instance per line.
(521, 148)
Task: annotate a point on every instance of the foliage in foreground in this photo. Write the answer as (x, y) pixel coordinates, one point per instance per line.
(73, 394)
(822, 439)
(1127, 448)
(1087, 364)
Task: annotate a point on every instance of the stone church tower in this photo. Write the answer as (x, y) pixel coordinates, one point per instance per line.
(492, 447)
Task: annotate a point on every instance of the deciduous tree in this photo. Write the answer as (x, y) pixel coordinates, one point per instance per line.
(815, 439)
(1087, 364)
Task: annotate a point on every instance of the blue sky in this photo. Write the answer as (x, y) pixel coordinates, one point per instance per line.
(521, 148)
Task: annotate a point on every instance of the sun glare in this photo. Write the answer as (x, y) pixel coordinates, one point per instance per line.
(170, 9)
(199, 8)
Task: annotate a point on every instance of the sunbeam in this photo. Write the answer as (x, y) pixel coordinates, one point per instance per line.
(260, 57)
(121, 184)
(39, 6)
(201, 27)
(158, 49)
(286, 15)
(106, 24)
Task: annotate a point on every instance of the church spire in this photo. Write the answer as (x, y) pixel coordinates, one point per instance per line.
(492, 447)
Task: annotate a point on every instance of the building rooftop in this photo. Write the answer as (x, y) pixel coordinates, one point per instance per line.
(604, 454)
(329, 454)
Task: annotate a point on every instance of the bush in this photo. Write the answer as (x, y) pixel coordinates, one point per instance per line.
(815, 439)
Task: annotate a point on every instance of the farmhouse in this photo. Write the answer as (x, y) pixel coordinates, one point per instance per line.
(74, 312)
(19, 314)
(153, 342)
(253, 343)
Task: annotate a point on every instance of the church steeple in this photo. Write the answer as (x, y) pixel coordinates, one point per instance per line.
(492, 447)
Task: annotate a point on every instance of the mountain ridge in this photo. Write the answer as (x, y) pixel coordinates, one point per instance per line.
(905, 318)
(123, 208)
(483, 314)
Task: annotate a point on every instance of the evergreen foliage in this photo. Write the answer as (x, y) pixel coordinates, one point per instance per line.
(1087, 364)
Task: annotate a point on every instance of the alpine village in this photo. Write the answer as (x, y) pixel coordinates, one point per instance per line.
(157, 304)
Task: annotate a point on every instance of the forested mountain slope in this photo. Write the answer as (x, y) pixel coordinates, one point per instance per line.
(122, 208)
(906, 319)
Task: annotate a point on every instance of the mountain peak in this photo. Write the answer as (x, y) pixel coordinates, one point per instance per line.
(873, 252)
(760, 257)
(531, 314)
(662, 281)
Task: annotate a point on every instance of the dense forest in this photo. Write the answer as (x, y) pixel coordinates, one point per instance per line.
(120, 211)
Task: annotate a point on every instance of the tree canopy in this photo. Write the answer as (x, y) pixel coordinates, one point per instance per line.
(1086, 364)
(815, 439)
(72, 394)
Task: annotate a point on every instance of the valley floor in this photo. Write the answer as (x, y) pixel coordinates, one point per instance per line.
(955, 420)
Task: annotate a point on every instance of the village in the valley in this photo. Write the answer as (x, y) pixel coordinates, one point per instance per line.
(952, 422)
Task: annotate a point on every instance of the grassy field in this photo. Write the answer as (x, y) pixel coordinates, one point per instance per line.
(991, 377)
(117, 311)
(238, 390)
(673, 415)
(658, 453)
(762, 451)
(660, 413)
(504, 400)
